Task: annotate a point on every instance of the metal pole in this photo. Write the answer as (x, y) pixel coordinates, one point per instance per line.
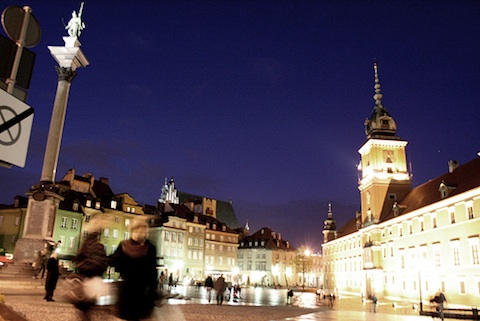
(18, 55)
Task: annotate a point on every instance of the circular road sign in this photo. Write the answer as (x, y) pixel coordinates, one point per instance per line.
(12, 21)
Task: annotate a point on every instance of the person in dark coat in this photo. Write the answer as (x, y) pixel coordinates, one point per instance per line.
(53, 273)
(220, 286)
(91, 261)
(209, 286)
(135, 259)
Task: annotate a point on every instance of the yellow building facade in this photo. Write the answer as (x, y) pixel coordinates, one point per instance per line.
(406, 243)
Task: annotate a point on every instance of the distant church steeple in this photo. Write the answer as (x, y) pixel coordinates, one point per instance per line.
(380, 124)
(246, 229)
(169, 193)
(329, 226)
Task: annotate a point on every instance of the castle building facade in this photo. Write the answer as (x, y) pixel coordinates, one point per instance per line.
(406, 243)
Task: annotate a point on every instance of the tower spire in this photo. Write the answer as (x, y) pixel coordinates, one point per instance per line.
(378, 94)
(380, 123)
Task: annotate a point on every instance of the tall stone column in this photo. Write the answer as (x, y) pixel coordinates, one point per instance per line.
(44, 198)
(65, 77)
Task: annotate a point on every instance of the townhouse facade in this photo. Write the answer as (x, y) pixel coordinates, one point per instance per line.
(191, 241)
(265, 259)
(11, 224)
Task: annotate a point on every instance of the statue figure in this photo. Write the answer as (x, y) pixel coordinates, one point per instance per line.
(76, 25)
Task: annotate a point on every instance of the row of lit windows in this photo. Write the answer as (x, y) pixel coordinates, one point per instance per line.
(220, 248)
(180, 225)
(221, 238)
(197, 230)
(106, 233)
(344, 265)
(195, 255)
(410, 283)
(418, 225)
(194, 241)
(413, 255)
(172, 251)
(219, 260)
(262, 255)
(73, 225)
(98, 205)
(259, 266)
(214, 226)
(173, 237)
(259, 255)
(256, 243)
(343, 246)
(116, 219)
(64, 244)
(412, 226)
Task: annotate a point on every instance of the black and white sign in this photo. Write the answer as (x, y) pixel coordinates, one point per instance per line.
(16, 119)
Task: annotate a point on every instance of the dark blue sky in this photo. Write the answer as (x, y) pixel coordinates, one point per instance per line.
(261, 102)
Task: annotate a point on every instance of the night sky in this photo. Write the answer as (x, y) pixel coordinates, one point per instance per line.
(260, 102)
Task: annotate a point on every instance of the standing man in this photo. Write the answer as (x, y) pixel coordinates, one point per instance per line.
(374, 303)
(209, 286)
(53, 273)
(220, 286)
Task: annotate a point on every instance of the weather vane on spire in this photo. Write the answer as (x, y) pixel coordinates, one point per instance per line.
(76, 25)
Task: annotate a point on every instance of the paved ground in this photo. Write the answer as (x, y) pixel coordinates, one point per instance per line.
(29, 303)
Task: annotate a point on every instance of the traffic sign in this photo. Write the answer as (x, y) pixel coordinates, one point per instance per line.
(16, 120)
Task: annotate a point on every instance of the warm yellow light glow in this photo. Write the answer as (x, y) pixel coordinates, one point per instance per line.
(178, 265)
(288, 271)
(275, 269)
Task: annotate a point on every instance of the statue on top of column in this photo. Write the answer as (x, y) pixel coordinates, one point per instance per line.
(76, 25)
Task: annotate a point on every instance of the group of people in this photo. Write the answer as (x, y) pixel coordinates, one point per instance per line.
(134, 259)
(220, 286)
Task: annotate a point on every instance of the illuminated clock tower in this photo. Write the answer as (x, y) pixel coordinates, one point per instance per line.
(384, 172)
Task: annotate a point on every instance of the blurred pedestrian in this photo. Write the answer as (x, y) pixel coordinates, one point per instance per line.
(162, 279)
(439, 300)
(53, 273)
(289, 296)
(91, 262)
(209, 286)
(37, 263)
(170, 282)
(135, 259)
(374, 303)
(220, 286)
(40, 264)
